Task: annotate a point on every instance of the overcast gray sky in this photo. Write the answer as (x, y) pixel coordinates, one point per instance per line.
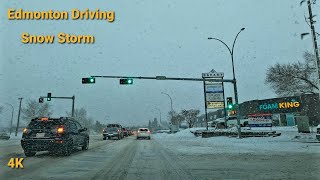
(148, 38)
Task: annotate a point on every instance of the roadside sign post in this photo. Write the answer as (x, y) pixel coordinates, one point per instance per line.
(213, 92)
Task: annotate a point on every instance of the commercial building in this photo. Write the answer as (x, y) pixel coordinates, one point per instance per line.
(285, 111)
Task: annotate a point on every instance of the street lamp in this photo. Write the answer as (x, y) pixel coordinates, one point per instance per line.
(234, 78)
(170, 103)
(11, 116)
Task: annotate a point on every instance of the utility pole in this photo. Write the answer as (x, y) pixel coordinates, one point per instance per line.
(18, 116)
(315, 46)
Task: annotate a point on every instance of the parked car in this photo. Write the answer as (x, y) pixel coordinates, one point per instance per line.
(4, 135)
(58, 135)
(113, 131)
(143, 133)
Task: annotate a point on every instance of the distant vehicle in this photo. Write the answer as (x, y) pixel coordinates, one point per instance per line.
(130, 132)
(125, 132)
(143, 133)
(113, 131)
(164, 131)
(54, 135)
(4, 135)
(318, 132)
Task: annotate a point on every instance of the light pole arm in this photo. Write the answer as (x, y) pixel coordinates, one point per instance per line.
(222, 43)
(170, 99)
(10, 105)
(235, 39)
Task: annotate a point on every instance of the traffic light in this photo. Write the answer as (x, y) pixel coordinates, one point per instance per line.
(126, 81)
(229, 103)
(89, 80)
(41, 100)
(49, 97)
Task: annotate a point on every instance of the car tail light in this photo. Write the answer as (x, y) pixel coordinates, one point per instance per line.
(60, 130)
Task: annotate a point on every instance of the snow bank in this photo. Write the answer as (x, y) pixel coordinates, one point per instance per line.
(185, 142)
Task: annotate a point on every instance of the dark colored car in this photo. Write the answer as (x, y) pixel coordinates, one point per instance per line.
(130, 132)
(4, 135)
(56, 135)
(125, 132)
(113, 131)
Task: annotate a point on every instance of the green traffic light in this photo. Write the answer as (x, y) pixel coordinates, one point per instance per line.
(230, 106)
(90, 80)
(129, 81)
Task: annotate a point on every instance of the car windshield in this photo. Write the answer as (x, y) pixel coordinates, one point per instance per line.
(112, 129)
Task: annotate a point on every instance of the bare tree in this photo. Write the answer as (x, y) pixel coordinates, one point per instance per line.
(190, 116)
(81, 116)
(293, 78)
(175, 117)
(35, 109)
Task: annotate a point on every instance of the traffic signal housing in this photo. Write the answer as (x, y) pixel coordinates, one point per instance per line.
(126, 81)
(41, 100)
(49, 97)
(230, 105)
(90, 80)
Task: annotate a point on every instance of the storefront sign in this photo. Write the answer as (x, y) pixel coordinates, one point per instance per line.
(260, 122)
(280, 105)
(215, 105)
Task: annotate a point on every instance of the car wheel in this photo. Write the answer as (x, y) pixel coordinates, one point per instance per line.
(149, 137)
(104, 138)
(86, 144)
(66, 149)
(29, 153)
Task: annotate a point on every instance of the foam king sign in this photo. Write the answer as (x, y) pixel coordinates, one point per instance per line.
(280, 105)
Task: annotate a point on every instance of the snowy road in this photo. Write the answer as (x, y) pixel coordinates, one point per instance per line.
(160, 159)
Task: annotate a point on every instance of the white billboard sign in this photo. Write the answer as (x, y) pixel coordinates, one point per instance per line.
(214, 88)
(214, 97)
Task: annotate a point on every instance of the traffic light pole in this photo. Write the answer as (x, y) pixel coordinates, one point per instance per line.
(73, 100)
(166, 78)
(205, 102)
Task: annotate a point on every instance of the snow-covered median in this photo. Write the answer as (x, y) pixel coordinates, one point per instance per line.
(185, 142)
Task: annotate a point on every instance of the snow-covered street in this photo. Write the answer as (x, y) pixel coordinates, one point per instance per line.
(175, 156)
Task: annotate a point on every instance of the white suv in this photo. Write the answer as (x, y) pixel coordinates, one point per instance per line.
(143, 133)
